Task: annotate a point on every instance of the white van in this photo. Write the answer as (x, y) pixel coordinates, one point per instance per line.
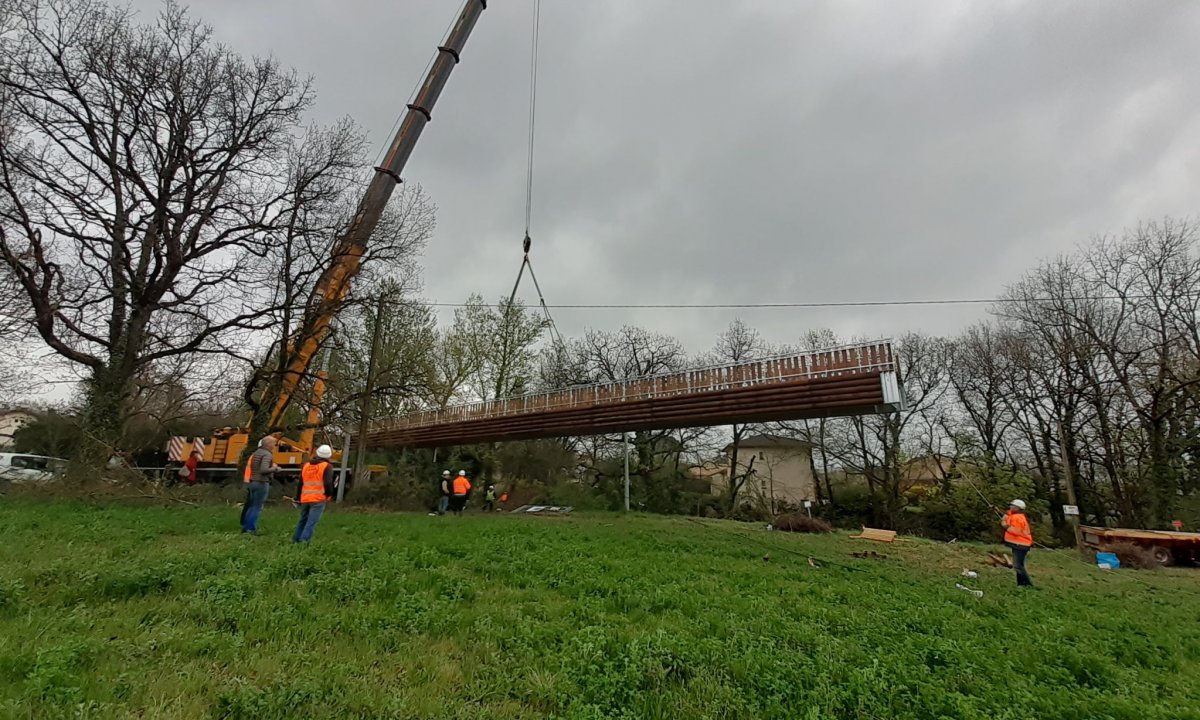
(18, 467)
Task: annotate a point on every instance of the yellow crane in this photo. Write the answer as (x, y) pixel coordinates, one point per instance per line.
(227, 446)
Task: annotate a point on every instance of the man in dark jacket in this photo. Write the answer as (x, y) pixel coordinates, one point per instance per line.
(444, 490)
(257, 476)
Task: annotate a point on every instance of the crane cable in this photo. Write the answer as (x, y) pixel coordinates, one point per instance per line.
(527, 242)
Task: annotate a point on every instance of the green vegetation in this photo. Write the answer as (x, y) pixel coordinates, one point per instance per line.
(117, 611)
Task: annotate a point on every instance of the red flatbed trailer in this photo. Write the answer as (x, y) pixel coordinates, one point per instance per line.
(1169, 547)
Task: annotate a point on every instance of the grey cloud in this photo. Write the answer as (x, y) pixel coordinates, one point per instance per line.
(767, 151)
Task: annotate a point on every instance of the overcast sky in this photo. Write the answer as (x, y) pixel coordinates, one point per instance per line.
(706, 151)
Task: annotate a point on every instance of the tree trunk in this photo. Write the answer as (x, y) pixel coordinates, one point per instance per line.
(1163, 478)
(104, 414)
(733, 486)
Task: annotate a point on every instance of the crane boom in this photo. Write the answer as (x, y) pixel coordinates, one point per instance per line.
(349, 248)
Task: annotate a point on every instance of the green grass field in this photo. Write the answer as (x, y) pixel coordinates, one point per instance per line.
(169, 613)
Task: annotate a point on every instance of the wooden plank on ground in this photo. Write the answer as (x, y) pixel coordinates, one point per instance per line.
(877, 535)
(1001, 560)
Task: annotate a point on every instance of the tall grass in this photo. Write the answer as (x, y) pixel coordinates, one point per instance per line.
(112, 611)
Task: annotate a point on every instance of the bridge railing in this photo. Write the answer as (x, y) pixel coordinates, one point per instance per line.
(829, 362)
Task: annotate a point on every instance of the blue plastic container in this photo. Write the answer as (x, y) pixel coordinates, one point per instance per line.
(1107, 561)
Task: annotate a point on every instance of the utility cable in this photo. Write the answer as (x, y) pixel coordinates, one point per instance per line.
(834, 304)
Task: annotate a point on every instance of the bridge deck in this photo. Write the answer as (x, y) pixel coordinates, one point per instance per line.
(851, 380)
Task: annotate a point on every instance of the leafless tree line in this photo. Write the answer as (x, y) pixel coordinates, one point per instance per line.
(1088, 365)
(164, 206)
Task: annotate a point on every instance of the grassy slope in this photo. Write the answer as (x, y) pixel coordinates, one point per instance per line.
(166, 612)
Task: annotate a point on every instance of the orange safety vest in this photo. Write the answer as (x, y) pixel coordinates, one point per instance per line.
(462, 486)
(246, 475)
(312, 482)
(1016, 529)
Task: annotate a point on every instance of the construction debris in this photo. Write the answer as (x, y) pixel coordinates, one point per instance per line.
(813, 563)
(869, 555)
(964, 588)
(544, 509)
(969, 574)
(1000, 560)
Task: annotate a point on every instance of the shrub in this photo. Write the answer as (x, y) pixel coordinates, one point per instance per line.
(797, 522)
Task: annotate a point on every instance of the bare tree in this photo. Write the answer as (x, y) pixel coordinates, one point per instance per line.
(627, 354)
(453, 364)
(503, 337)
(403, 355)
(321, 172)
(981, 375)
(876, 446)
(1113, 347)
(138, 191)
(736, 344)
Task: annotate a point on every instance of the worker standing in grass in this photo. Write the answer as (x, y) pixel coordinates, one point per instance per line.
(489, 498)
(461, 487)
(192, 463)
(444, 490)
(1019, 538)
(259, 470)
(316, 488)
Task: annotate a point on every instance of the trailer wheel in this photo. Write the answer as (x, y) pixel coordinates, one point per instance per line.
(1162, 555)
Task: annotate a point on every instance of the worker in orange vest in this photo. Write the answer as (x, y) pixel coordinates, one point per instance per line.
(462, 486)
(1019, 538)
(316, 487)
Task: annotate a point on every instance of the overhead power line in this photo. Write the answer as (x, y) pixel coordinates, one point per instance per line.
(827, 304)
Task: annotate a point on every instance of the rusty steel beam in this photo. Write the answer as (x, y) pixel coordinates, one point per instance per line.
(796, 399)
(850, 380)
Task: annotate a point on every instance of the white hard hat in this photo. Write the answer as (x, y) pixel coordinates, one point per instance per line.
(445, 473)
(325, 452)
(1018, 504)
(462, 472)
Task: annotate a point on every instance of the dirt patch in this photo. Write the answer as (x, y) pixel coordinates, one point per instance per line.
(796, 522)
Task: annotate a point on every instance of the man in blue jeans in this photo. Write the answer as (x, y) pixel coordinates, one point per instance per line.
(444, 497)
(316, 487)
(259, 470)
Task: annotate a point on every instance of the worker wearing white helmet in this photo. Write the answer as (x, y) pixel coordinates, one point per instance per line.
(316, 488)
(444, 493)
(460, 488)
(1019, 538)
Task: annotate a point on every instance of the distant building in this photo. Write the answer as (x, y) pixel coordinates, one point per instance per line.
(928, 470)
(12, 420)
(780, 470)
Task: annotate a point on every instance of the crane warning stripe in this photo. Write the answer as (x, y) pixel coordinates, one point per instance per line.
(175, 448)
